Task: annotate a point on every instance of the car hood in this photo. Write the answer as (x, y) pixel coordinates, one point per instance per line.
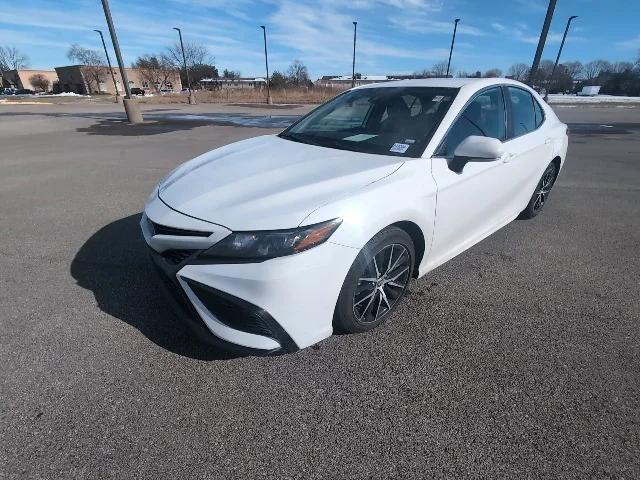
(268, 183)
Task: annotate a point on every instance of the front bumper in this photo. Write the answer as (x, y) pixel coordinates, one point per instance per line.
(271, 307)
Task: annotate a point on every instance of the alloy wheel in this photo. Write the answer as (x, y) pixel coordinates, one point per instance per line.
(544, 187)
(382, 283)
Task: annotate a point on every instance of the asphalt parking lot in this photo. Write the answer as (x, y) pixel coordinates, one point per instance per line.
(518, 359)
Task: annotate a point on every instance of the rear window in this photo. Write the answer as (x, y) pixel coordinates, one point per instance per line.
(522, 113)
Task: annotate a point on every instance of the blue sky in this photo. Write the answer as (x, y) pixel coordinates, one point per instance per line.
(394, 36)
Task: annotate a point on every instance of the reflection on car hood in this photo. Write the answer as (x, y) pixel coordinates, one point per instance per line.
(267, 182)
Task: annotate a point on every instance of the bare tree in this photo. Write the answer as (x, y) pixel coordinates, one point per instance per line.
(12, 59)
(158, 71)
(440, 69)
(298, 74)
(593, 69)
(492, 73)
(231, 73)
(574, 69)
(621, 67)
(40, 82)
(94, 71)
(519, 71)
(195, 54)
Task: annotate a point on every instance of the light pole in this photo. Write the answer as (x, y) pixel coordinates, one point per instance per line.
(113, 77)
(266, 64)
(353, 65)
(541, 42)
(192, 99)
(555, 65)
(130, 105)
(453, 39)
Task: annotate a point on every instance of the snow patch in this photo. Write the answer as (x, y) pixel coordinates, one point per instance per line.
(557, 98)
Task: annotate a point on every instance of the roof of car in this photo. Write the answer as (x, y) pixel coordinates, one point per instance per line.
(443, 82)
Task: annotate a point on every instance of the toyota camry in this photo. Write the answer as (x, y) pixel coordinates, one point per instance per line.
(271, 244)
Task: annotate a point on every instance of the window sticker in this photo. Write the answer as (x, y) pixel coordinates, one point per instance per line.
(438, 98)
(361, 137)
(399, 147)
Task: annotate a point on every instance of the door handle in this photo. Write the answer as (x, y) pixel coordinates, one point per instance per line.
(548, 141)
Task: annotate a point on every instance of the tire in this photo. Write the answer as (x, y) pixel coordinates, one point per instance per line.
(541, 193)
(367, 299)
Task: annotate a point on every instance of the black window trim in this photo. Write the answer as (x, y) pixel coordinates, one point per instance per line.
(510, 130)
(507, 111)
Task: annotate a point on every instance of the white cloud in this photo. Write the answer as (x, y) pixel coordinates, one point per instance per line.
(420, 23)
(630, 43)
(321, 35)
(521, 33)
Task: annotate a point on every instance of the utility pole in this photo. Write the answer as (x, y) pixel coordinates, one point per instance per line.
(455, 27)
(192, 98)
(266, 64)
(113, 77)
(353, 65)
(130, 105)
(555, 65)
(541, 42)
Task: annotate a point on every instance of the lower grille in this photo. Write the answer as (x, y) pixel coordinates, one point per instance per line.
(233, 313)
(176, 257)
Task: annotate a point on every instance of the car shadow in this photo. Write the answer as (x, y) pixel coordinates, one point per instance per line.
(120, 127)
(113, 263)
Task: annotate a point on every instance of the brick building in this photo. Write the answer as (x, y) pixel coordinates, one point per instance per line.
(87, 79)
(22, 78)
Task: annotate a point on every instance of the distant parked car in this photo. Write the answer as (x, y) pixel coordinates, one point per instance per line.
(137, 91)
(25, 91)
(7, 91)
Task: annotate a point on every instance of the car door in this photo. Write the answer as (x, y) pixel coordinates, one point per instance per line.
(471, 203)
(528, 146)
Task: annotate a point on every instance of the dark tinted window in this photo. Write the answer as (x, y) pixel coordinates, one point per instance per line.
(484, 116)
(524, 118)
(539, 113)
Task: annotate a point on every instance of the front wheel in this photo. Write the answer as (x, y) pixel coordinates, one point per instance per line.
(376, 281)
(541, 193)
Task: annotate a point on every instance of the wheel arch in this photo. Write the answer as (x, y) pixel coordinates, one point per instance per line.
(419, 242)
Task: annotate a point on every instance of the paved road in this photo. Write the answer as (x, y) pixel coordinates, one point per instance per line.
(517, 359)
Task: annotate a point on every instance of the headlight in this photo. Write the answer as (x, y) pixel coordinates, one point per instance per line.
(263, 245)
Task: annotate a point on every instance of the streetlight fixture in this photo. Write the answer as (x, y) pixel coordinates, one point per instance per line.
(266, 64)
(541, 42)
(192, 99)
(353, 65)
(555, 65)
(113, 77)
(130, 105)
(453, 39)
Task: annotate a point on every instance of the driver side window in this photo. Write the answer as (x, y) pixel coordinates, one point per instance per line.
(484, 116)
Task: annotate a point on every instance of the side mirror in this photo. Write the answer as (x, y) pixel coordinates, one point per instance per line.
(476, 149)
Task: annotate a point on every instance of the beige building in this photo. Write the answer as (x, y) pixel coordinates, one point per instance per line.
(87, 79)
(22, 78)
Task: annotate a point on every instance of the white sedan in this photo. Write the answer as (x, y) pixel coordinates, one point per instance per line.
(272, 243)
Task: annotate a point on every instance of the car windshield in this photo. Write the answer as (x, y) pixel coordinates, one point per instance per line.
(384, 120)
